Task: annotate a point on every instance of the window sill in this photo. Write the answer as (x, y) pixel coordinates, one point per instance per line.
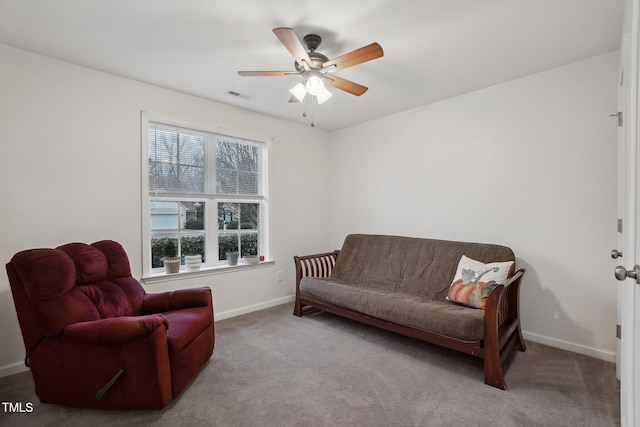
(203, 271)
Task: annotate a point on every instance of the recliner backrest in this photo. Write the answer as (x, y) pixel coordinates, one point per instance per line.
(73, 283)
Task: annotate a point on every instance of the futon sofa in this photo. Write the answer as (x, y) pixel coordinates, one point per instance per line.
(410, 285)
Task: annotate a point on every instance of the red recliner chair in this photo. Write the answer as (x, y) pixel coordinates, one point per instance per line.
(95, 339)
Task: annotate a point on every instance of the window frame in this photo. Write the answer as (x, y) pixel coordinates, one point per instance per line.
(210, 199)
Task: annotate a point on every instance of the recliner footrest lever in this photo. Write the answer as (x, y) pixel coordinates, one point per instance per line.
(102, 393)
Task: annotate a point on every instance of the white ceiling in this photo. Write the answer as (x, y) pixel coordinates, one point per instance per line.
(433, 49)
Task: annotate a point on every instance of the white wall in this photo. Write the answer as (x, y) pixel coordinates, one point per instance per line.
(70, 171)
(530, 164)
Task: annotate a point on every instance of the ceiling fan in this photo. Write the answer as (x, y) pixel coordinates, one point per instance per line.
(316, 69)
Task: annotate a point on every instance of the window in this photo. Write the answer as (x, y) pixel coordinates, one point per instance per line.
(205, 194)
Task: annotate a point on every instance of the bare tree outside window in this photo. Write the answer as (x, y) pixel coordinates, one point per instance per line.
(236, 168)
(176, 162)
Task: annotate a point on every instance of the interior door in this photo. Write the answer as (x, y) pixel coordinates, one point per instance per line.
(628, 271)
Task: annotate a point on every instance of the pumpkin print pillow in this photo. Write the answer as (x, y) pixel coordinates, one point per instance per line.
(474, 281)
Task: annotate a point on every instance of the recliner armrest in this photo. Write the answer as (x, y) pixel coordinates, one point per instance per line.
(115, 330)
(176, 300)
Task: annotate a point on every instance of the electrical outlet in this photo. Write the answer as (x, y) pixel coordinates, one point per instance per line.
(279, 276)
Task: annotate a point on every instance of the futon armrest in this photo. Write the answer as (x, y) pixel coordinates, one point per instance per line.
(115, 330)
(515, 278)
(176, 300)
(503, 303)
(317, 265)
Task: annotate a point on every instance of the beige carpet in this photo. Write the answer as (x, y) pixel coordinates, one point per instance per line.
(273, 369)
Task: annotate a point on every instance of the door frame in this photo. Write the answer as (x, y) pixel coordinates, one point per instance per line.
(629, 238)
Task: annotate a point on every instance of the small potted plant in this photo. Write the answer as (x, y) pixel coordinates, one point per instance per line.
(193, 262)
(251, 255)
(171, 259)
(232, 258)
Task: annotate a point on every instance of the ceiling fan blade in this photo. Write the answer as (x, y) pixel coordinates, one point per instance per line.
(345, 85)
(289, 39)
(293, 99)
(267, 73)
(358, 56)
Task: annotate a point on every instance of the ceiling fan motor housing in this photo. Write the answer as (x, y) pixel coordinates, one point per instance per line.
(312, 41)
(317, 61)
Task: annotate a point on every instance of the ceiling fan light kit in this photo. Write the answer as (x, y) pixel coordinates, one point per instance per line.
(316, 69)
(313, 86)
(314, 83)
(324, 95)
(299, 91)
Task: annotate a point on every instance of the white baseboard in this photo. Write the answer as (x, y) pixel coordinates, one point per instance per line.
(251, 308)
(13, 368)
(597, 353)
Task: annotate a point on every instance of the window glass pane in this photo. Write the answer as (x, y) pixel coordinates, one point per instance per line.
(162, 247)
(177, 229)
(228, 214)
(238, 228)
(164, 216)
(192, 235)
(228, 226)
(247, 157)
(226, 181)
(226, 154)
(247, 183)
(249, 243)
(249, 216)
(227, 243)
(237, 168)
(249, 226)
(176, 161)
